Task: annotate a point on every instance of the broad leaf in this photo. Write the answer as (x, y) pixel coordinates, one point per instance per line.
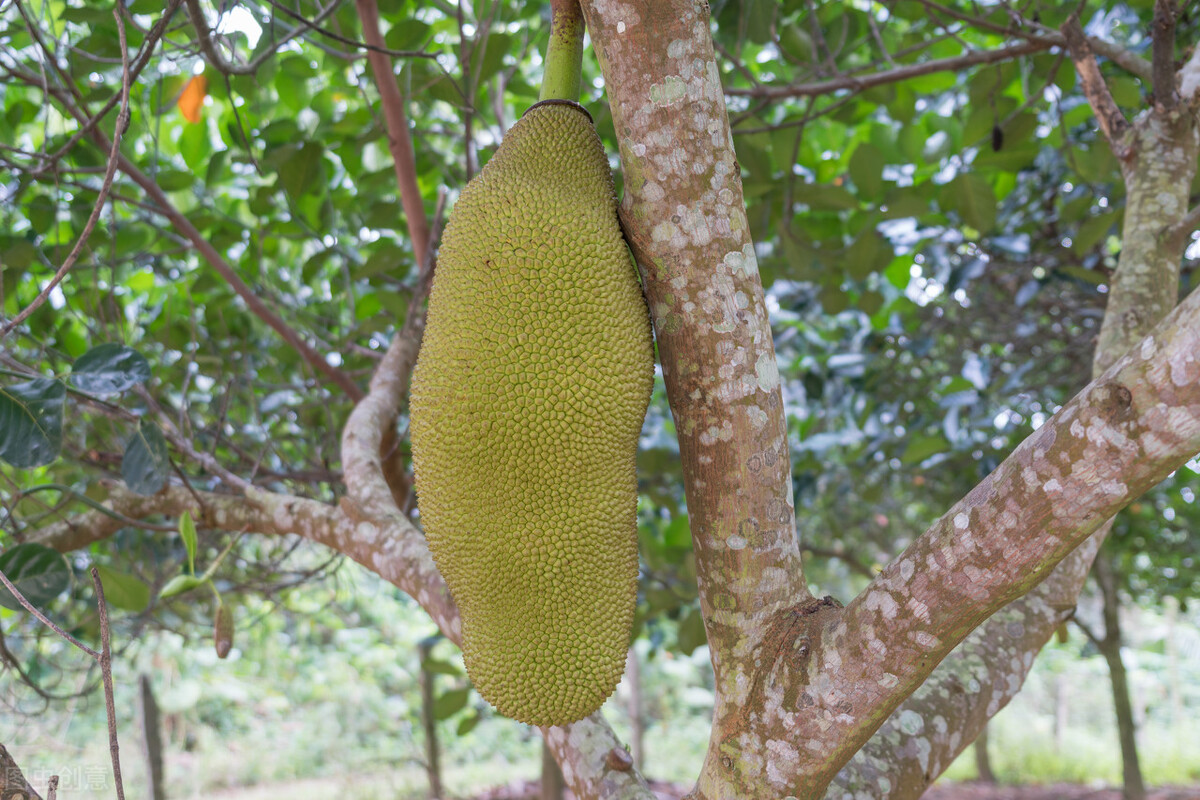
(31, 417)
(110, 369)
(39, 573)
(145, 464)
(122, 590)
(450, 703)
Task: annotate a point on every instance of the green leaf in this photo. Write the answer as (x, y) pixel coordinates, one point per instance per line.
(31, 417)
(439, 667)
(122, 590)
(145, 463)
(38, 572)
(467, 724)
(187, 532)
(110, 369)
(866, 170)
(922, 447)
(450, 703)
(299, 172)
(180, 584)
(691, 632)
(971, 196)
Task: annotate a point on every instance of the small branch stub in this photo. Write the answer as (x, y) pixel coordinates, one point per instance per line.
(618, 759)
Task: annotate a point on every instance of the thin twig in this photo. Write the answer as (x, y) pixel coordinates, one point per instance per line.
(398, 136)
(219, 63)
(862, 82)
(42, 618)
(105, 659)
(1112, 122)
(109, 174)
(368, 46)
(139, 64)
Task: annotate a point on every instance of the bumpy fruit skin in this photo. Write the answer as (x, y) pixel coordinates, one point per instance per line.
(528, 398)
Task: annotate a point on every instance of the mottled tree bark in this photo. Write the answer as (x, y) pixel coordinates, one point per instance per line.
(802, 684)
(13, 785)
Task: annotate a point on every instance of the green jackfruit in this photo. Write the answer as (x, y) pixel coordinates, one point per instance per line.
(527, 401)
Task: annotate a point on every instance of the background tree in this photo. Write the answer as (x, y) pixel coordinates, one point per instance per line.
(888, 156)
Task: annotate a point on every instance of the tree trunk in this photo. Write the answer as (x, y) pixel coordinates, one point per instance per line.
(553, 787)
(152, 747)
(983, 762)
(1174, 685)
(633, 672)
(433, 766)
(1110, 648)
(1061, 710)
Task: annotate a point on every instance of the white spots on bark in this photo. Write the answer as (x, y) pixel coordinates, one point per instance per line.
(783, 752)
(743, 260)
(926, 640)
(882, 602)
(758, 418)
(767, 371)
(1189, 77)
(961, 520)
(911, 723)
(1185, 369)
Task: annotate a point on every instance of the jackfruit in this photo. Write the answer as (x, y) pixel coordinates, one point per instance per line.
(527, 402)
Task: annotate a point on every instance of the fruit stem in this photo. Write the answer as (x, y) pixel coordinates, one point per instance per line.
(564, 55)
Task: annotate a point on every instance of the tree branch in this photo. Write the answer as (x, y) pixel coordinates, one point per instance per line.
(105, 186)
(1112, 121)
(399, 139)
(219, 63)
(184, 226)
(1163, 61)
(912, 748)
(12, 782)
(861, 83)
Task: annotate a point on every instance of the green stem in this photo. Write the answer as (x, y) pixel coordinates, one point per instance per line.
(564, 54)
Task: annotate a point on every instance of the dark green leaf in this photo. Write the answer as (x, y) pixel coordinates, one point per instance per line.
(110, 369)
(146, 464)
(31, 417)
(39, 573)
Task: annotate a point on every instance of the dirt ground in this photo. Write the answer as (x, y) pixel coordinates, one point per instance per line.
(960, 791)
(978, 791)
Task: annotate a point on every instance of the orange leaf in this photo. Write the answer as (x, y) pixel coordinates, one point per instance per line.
(192, 99)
